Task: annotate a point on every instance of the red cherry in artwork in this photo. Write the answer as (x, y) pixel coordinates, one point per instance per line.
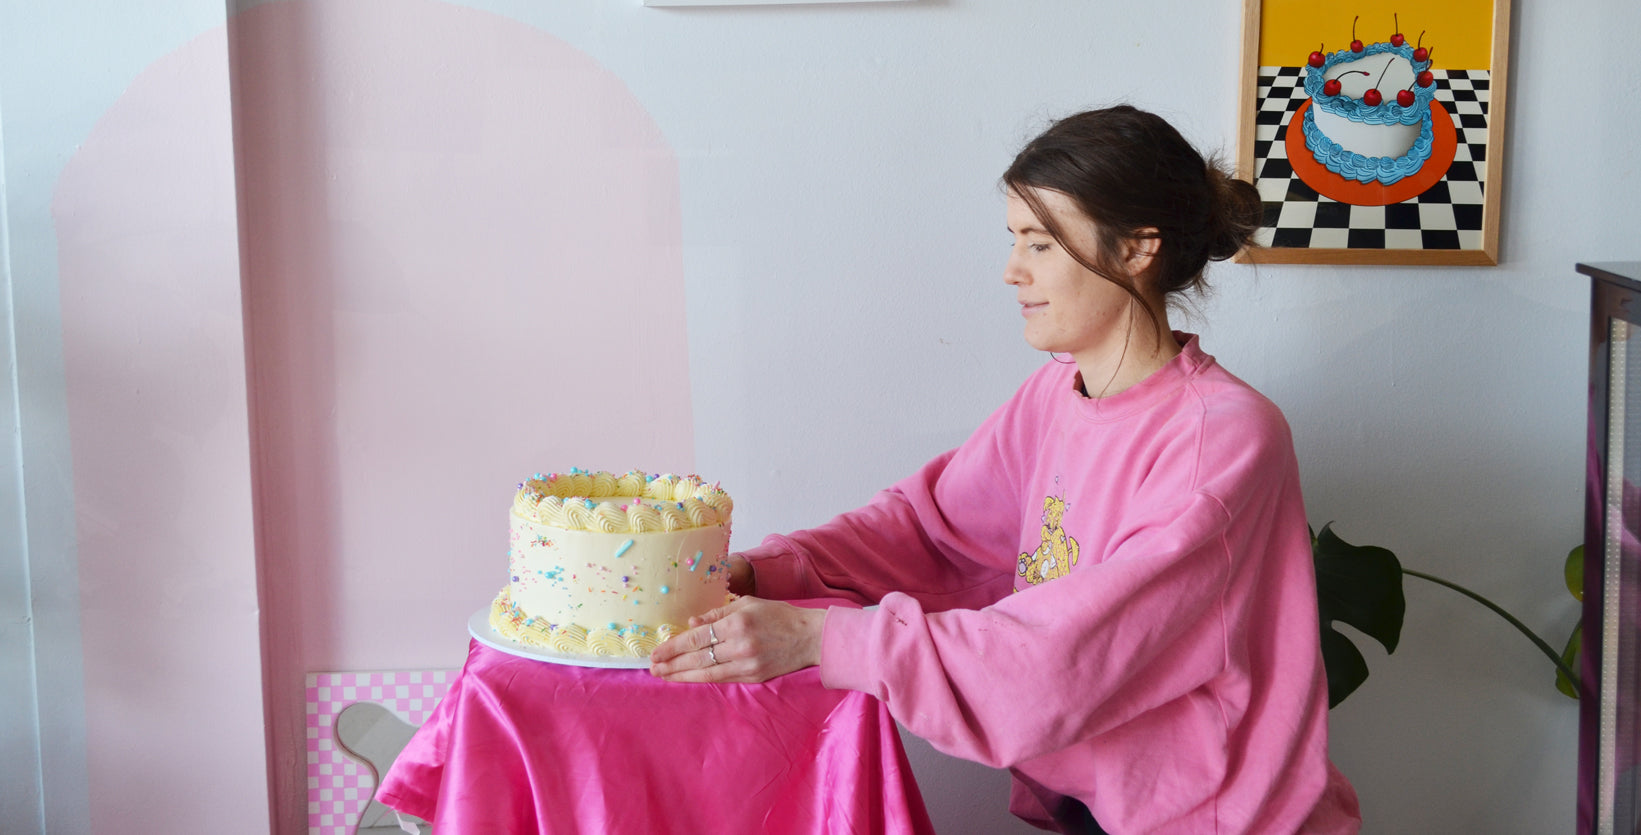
(1404, 98)
(1331, 87)
(1426, 78)
(1372, 97)
(1317, 59)
(1397, 39)
(1355, 45)
(1421, 54)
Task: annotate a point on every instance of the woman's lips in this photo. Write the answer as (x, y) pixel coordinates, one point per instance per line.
(1031, 308)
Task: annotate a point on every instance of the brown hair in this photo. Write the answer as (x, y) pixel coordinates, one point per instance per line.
(1128, 171)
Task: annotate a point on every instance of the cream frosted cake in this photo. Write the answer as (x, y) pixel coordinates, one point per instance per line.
(1370, 114)
(607, 565)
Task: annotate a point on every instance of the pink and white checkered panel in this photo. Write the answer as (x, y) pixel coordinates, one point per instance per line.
(338, 785)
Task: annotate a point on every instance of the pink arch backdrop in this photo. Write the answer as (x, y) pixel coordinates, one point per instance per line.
(459, 245)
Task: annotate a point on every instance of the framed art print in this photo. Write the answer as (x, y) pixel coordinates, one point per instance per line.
(1374, 133)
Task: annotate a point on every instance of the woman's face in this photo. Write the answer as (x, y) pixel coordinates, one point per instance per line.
(1068, 308)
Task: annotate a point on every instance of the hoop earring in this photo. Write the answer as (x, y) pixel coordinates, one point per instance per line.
(1056, 357)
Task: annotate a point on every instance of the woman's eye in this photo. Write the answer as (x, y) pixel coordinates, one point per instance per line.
(1039, 247)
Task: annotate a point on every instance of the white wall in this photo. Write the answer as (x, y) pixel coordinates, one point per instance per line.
(842, 245)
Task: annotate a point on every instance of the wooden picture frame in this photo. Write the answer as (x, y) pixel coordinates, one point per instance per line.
(1446, 210)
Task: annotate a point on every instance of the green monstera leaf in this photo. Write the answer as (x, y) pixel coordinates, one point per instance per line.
(1573, 571)
(1570, 660)
(1571, 654)
(1360, 585)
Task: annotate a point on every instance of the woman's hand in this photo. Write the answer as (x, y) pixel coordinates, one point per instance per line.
(747, 641)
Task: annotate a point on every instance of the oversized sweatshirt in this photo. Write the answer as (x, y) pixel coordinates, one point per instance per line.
(1113, 598)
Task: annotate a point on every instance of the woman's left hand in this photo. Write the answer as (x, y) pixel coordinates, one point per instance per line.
(747, 641)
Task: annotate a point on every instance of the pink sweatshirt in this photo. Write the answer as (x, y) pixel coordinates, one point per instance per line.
(1112, 598)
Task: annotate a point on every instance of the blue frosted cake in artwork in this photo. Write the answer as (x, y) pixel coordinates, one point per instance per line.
(1369, 118)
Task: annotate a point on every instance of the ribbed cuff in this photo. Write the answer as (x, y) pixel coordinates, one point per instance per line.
(777, 569)
(843, 664)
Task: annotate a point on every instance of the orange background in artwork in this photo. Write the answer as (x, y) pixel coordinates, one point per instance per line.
(1461, 30)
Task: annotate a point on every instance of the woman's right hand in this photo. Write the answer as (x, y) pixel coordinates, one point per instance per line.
(741, 579)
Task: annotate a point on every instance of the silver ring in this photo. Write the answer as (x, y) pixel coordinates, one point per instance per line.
(713, 635)
(713, 656)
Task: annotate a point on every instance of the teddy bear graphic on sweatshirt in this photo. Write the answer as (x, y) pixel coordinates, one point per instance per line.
(1057, 552)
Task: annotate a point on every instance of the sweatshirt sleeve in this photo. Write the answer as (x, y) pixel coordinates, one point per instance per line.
(1073, 658)
(936, 536)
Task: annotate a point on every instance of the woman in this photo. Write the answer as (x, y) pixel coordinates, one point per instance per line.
(1108, 588)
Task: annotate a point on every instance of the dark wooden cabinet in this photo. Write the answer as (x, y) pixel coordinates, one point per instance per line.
(1609, 758)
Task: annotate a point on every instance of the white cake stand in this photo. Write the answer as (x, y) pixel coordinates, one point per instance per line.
(479, 627)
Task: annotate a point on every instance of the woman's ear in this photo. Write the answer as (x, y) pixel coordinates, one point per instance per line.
(1142, 249)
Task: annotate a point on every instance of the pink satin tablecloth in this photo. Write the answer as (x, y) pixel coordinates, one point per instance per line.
(520, 745)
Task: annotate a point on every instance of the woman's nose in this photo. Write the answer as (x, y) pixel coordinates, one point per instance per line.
(1013, 273)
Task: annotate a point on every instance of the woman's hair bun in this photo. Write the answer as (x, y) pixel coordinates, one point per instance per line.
(1236, 213)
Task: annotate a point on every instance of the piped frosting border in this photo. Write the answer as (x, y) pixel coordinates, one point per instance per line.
(1364, 169)
(637, 640)
(593, 501)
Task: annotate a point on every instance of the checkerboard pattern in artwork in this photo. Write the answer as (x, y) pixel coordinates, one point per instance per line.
(338, 785)
(1447, 216)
